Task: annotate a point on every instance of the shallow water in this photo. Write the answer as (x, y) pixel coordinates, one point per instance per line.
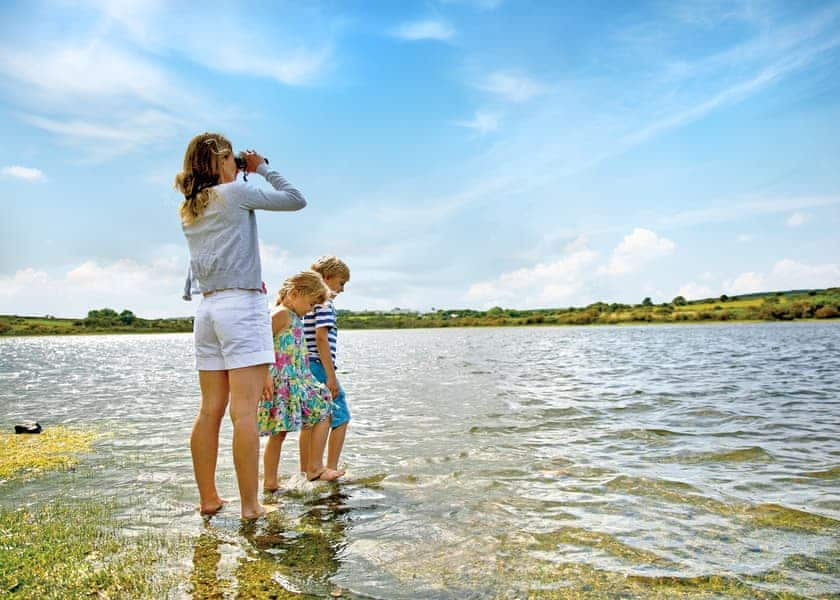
(653, 461)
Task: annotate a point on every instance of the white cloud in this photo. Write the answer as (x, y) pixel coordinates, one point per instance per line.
(637, 249)
(797, 219)
(745, 238)
(786, 274)
(275, 266)
(150, 289)
(512, 87)
(545, 284)
(483, 122)
(790, 274)
(694, 291)
(425, 30)
(746, 283)
(27, 173)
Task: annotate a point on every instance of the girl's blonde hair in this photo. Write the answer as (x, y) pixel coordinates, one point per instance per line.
(201, 172)
(329, 266)
(306, 283)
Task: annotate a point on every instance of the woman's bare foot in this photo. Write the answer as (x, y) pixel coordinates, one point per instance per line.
(270, 486)
(264, 510)
(324, 474)
(212, 507)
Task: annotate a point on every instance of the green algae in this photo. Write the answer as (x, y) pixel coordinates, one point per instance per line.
(26, 456)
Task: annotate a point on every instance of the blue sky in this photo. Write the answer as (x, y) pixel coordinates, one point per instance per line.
(454, 153)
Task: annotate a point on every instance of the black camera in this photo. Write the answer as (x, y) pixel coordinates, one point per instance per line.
(239, 159)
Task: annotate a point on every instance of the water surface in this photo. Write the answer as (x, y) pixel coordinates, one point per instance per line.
(650, 461)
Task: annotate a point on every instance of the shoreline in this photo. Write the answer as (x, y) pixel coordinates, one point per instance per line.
(416, 328)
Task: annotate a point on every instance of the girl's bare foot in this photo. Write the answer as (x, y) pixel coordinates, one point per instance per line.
(212, 507)
(324, 475)
(264, 510)
(271, 486)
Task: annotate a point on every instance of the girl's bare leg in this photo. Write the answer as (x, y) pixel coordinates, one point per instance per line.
(204, 440)
(335, 445)
(271, 461)
(315, 468)
(246, 385)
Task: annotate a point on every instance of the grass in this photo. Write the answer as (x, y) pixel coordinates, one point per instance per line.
(74, 549)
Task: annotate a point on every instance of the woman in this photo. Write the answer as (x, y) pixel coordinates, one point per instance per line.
(233, 341)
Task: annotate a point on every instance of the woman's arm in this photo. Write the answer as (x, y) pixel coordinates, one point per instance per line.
(284, 196)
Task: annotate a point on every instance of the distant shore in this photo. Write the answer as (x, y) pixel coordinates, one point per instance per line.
(792, 305)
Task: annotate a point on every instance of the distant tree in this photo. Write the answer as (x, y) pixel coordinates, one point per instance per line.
(679, 301)
(647, 302)
(724, 297)
(127, 317)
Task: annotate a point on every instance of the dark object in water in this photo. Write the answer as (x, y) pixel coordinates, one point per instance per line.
(28, 427)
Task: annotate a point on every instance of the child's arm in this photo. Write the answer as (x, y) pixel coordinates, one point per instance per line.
(323, 342)
(280, 320)
(268, 386)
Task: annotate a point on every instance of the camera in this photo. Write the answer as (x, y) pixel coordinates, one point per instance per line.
(239, 159)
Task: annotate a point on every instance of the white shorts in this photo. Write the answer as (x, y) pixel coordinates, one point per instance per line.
(232, 329)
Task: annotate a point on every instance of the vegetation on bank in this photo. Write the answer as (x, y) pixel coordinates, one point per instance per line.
(23, 456)
(73, 548)
(771, 306)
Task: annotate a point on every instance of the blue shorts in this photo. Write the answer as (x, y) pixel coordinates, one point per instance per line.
(340, 412)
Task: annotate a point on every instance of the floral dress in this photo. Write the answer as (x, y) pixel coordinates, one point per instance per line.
(299, 399)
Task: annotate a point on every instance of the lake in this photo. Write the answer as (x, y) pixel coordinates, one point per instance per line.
(648, 461)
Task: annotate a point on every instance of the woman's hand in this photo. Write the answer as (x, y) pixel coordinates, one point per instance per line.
(252, 160)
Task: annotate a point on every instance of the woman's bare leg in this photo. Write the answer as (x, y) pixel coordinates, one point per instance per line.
(246, 385)
(204, 441)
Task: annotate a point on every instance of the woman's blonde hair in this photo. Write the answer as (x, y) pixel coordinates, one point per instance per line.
(306, 283)
(329, 266)
(201, 172)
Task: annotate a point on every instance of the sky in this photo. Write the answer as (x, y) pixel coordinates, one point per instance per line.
(454, 153)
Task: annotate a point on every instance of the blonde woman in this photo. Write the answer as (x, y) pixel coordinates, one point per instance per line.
(232, 330)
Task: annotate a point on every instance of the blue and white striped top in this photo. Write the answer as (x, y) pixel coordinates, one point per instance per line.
(323, 315)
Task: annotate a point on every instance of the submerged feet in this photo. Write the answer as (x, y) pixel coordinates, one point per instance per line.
(324, 474)
(211, 507)
(262, 511)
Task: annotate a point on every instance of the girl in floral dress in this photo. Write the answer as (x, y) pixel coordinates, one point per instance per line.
(292, 398)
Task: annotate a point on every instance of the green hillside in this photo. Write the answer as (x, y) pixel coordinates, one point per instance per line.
(768, 306)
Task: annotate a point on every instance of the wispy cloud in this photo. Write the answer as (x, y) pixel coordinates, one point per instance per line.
(430, 29)
(735, 211)
(479, 4)
(25, 173)
(483, 122)
(798, 219)
(512, 86)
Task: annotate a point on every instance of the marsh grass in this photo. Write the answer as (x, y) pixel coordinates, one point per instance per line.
(23, 456)
(74, 549)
